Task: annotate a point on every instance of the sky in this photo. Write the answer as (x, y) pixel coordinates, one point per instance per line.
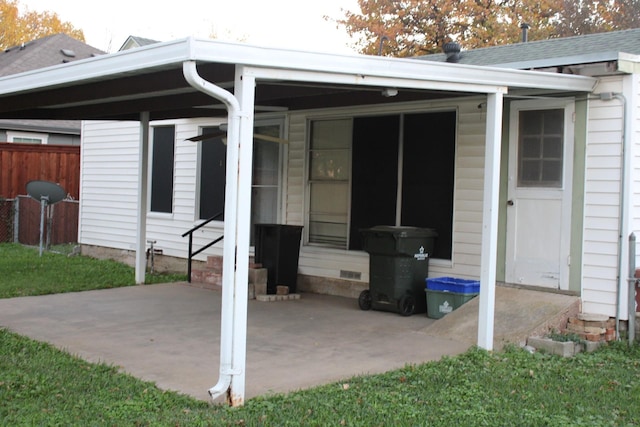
(292, 24)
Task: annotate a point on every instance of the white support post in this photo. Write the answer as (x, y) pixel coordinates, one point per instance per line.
(141, 229)
(245, 93)
(490, 209)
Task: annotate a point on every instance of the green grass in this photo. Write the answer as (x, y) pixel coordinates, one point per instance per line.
(23, 272)
(40, 385)
(43, 386)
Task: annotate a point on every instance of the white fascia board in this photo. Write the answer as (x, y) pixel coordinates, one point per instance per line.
(365, 70)
(561, 61)
(374, 66)
(629, 63)
(368, 80)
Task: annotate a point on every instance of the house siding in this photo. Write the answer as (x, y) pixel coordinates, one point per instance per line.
(110, 185)
(602, 200)
(634, 106)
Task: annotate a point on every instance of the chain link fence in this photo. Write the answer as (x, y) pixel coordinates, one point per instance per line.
(20, 221)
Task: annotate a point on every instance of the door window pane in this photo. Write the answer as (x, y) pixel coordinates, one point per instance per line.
(540, 148)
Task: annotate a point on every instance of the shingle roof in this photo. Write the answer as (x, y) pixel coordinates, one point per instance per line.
(553, 52)
(40, 53)
(66, 127)
(137, 41)
(44, 52)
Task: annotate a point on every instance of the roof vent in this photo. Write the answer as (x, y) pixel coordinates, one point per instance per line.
(68, 53)
(452, 50)
(525, 31)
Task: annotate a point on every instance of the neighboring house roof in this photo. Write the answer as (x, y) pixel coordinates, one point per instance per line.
(47, 51)
(134, 41)
(67, 127)
(589, 48)
(44, 52)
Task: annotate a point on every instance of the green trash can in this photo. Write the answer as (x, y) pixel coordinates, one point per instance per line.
(398, 267)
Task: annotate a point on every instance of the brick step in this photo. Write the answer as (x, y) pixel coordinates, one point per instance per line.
(210, 277)
(214, 263)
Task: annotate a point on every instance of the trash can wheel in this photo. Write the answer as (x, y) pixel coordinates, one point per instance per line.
(406, 305)
(364, 300)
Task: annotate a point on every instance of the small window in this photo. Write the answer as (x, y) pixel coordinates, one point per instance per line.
(540, 148)
(27, 137)
(162, 169)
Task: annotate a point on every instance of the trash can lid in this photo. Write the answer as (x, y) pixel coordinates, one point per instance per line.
(403, 231)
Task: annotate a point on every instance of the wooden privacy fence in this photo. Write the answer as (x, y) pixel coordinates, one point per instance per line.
(21, 163)
(23, 215)
(6, 220)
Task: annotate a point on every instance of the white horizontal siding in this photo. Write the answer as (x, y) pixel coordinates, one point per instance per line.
(602, 201)
(633, 102)
(110, 186)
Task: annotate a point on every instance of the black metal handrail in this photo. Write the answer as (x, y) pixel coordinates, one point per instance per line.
(193, 253)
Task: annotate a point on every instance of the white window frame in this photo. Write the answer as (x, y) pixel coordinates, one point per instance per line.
(13, 135)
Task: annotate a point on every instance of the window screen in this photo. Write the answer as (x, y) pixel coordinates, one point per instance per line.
(329, 173)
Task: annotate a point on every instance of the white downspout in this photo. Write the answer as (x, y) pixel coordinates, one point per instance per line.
(623, 229)
(230, 224)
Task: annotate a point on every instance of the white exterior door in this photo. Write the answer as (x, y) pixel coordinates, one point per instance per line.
(539, 193)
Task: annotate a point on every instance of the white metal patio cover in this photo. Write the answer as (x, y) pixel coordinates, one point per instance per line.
(197, 78)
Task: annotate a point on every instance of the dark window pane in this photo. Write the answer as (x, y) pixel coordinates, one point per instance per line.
(529, 171)
(552, 171)
(428, 175)
(552, 147)
(531, 147)
(554, 122)
(374, 182)
(162, 169)
(212, 175)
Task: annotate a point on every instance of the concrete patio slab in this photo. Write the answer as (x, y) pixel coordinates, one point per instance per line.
(169, 334)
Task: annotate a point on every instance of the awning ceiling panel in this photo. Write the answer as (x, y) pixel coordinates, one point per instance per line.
(119, 86)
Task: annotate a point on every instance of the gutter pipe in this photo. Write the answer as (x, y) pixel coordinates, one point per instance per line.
(608, 96)
(623, 204)
(227, 370)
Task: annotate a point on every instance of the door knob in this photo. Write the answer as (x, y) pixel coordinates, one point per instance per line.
(509, 202)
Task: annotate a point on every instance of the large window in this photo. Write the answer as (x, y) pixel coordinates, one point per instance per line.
(382, 170)
(265, 175)
(162, 169)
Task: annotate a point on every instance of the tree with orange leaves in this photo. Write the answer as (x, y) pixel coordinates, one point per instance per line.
(17, 28)
(418, 27)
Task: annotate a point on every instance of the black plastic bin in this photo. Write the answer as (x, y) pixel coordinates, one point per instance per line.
(278, 249)
(398, 267)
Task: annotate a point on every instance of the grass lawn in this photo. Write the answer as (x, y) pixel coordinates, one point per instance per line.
(23, 273)
(43, 386)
